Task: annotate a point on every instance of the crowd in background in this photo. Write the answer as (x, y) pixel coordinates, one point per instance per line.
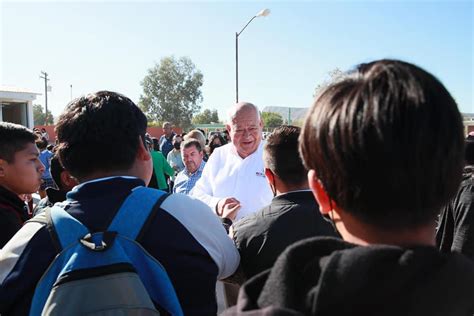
(366, 209)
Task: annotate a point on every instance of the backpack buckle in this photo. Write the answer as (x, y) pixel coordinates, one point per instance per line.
(92, 242)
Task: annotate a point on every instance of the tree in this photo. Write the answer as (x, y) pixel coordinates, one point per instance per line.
(272, 119)
(334, 75)
(215, 117)
(40, 117)
(172, 91)
(206, 117)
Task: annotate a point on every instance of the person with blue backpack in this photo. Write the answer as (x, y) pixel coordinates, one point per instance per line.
(114, 247)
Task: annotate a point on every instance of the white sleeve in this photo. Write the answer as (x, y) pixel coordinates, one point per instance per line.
(12, 251)
(207, 229)
(203, 189)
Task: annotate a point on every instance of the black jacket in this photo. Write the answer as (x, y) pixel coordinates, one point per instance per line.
(325, 276)
(261, 237)
(13, 213)
(456, 221)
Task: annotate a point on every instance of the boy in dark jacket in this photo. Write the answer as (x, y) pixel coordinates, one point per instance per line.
(101, 144)
(20, 173)
(384, 150)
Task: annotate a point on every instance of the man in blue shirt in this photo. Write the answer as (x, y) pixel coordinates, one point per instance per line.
(166, 140)
(192, 154)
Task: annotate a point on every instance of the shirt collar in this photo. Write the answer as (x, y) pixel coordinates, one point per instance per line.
(79, 186)
(201, 167)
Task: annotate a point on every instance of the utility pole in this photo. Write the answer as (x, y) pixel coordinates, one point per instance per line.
(45, 77)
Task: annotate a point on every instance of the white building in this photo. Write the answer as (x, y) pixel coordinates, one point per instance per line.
(16, 105)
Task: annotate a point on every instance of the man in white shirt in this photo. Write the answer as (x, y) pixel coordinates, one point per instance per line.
(234, 176)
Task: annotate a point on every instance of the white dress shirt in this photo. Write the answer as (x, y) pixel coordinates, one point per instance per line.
(228, 175)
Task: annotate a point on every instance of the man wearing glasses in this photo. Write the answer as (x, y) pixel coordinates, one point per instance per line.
(233, 180)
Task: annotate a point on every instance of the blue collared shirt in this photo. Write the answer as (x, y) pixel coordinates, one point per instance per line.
(185, 181)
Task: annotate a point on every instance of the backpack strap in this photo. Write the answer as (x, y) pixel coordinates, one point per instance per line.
(136, 209)
(67, 228)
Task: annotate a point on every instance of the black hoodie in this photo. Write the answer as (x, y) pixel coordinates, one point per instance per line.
(13, 213)
(326, 276)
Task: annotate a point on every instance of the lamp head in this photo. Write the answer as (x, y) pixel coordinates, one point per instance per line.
(264, 12)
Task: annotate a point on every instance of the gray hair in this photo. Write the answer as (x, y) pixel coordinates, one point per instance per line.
(232, 113)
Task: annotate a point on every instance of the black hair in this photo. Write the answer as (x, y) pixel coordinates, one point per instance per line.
(386, 143)
(156, 144)
(56, 169)
(100, 132)
(14, 138)
(281, 155)
(211, 141)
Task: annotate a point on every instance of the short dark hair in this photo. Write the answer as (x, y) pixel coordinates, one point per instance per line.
(281, 155)
(387, 144)
(99, 132)
(214, 136)
(191, 142)
(14, 138)
(56, 169)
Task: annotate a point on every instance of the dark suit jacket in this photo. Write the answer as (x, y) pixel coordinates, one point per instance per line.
(264, 235)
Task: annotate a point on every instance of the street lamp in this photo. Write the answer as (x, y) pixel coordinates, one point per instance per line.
(264, 12)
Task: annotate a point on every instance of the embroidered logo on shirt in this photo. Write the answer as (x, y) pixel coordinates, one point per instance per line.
(260, 174)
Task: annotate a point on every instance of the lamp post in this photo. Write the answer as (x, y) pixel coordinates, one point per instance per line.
(264, 12)
(45, 77)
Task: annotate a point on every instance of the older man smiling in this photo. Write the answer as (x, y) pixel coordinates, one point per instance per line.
(234, 176)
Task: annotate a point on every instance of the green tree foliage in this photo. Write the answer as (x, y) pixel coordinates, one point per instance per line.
(271, 119)
(40, 117)
(172, 91)
(206, 117)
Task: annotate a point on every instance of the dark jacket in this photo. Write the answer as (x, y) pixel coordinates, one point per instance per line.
(13, 213)
(262, 236)
(184, 235)
(456, 221)
(325, 276)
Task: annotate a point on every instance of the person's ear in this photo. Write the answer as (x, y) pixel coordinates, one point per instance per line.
(270, 176)
(324, 201)
(68, 181)
(142, 152)
(3, 167)
(227, 127)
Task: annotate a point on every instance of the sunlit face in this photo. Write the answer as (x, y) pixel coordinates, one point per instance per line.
(246, 131)
(23, 174)
(192, 158)
(167, 130)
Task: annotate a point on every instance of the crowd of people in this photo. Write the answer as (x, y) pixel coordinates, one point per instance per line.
(366, 209)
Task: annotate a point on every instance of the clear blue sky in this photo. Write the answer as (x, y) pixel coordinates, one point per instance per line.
(110, 45)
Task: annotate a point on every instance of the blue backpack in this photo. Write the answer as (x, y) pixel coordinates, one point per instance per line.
(106, 273)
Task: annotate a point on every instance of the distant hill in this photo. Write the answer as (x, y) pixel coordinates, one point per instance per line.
(297, 114)
(300, 113)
